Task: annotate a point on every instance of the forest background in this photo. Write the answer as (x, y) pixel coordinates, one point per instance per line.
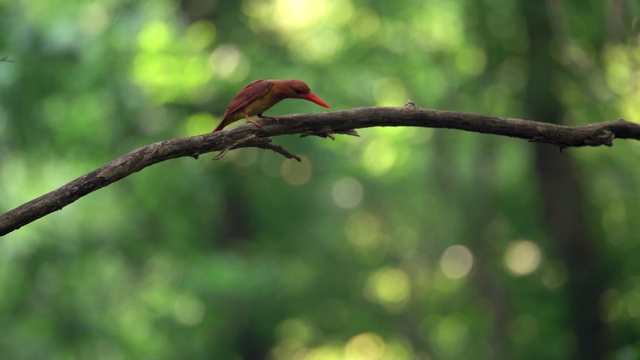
(405, 243)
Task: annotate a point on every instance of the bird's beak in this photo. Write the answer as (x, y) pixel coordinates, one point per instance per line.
(314, 98)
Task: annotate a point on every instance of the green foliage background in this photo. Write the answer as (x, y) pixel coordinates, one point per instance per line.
(402, 244)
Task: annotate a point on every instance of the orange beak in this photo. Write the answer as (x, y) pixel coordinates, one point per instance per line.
(314, 98)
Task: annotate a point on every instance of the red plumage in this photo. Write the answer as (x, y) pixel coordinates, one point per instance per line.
(260, 95)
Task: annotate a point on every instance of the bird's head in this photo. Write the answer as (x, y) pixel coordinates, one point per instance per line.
(299, 90)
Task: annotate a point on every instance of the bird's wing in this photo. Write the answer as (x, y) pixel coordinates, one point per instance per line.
(249, 94)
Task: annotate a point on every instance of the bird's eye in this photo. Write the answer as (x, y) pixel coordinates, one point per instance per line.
(298, 91)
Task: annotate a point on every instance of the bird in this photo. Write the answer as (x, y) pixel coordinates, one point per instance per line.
(260, 95)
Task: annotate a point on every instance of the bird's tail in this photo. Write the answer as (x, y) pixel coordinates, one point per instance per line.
(220, 126)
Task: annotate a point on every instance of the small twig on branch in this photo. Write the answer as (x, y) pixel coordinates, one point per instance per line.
(262, 143)
(325, 124)
(5, 59)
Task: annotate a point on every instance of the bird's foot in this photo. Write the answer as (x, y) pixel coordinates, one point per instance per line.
(254, 123)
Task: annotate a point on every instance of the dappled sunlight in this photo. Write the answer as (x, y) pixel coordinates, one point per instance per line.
(622, 65)
(389, 287)
(366, 23)
(522, 257)
(227, 62)
(286, 349)
(173, 66)
(245, 158)
(363, 231)
(14, 249)
(391, 153)
(16, 169)
(347, 192)
(270, 164)
(632, 299)
(200, 35)
(622, 69)
(612, 305)
(389, 91)
(403, 243)
(290, 16)
(90, 112)
(421, 270)
(365, 346)
(555, 275)
(439, 26)
(471, 60)
(188, 310)
(199, 123)
(155, 37)
(629, 107)
(496, 96)
(318, 45)
(94, 18)
(3, 114)
(287, 15)
(297, 276)
(310, 29)
(617, 304)
(328, 351)
(448, 334)
(295, 329)
(512, 73)
(456, 262)
(160, 270)
(296, 173)
(379, 156)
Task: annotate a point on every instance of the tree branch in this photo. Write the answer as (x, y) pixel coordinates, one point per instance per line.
(325, 125)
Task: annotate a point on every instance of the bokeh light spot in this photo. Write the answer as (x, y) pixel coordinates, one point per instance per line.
(390, 287)
(154, 37)
(317, 45)
(379, 156)
(633, 303)
(347, 192)
(200, 123)
(555, 275)
(189, 310)
(366, 23)
(200, 34)
(449, 335)
(296, 172)
(94, 18)
(295, 14)
(389, 91)
(329, 351)
(611, 305)
(456, 262)
(522, 257)
(471, 60)
(362, 230)
(365, 346)
(296, 329)
(225, 60)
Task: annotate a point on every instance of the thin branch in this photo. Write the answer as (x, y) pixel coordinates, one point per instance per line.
(325, 124)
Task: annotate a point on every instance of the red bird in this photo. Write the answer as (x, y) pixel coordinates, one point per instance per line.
(260, 95)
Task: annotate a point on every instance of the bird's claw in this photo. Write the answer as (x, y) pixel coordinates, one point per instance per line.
(255, 123)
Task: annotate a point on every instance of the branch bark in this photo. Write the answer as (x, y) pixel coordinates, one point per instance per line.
(324, 125)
